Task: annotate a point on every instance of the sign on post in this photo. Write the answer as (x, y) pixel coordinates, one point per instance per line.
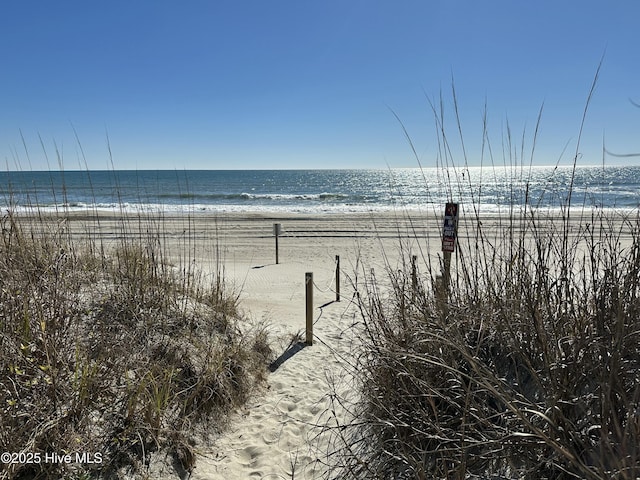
(449, 229)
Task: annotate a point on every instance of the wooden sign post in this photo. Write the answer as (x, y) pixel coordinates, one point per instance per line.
(449, 232)
(277, 229)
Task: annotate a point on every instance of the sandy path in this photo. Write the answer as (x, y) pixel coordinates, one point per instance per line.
(281, 434)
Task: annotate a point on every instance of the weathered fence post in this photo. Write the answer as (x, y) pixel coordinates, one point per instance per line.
(414, 276)
(308, 280)
(277, 228)
(337, 278)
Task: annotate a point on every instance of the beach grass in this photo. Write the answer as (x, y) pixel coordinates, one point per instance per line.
(114, 350)
(526, 367)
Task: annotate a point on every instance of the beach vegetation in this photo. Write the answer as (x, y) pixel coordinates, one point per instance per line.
(526, 367)
(114, 348)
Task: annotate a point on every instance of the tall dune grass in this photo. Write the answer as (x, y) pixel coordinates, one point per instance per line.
(528, 368)
(113, 346)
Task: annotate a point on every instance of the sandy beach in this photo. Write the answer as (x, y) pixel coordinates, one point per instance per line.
(285, 429)
(281, 433)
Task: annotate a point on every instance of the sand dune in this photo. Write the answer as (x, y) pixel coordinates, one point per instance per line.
(285, 431)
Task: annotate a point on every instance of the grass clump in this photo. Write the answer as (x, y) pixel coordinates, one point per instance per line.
(530, 370)
(112, 352)
(527, 368)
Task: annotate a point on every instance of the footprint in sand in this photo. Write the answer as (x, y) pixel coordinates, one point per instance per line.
(317, 408)
(286, 406)
(270, 437)
(249, 456)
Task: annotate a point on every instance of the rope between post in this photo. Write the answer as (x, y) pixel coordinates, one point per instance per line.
(326, 289)
(329, 287)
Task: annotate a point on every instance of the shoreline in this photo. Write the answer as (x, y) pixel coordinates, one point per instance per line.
(277, 214)
(481, 211)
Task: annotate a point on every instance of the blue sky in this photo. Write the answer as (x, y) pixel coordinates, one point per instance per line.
(301, 84)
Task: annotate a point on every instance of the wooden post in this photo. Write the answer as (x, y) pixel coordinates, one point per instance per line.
(337, 278)
(446, 274)
(438, 289)
(308, 280)
(449, 233)
(276, 232)
(414, 275)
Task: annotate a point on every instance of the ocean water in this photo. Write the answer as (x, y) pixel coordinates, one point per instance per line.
(321, 191)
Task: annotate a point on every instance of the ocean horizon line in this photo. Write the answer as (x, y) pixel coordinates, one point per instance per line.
(346, 169)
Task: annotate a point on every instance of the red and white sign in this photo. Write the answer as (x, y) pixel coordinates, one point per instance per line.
(450, 227)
